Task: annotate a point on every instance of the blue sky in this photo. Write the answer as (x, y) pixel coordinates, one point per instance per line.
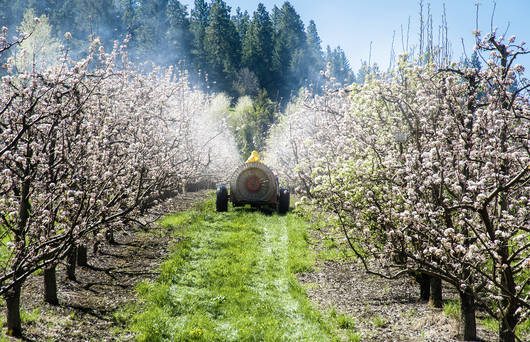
(352, 24)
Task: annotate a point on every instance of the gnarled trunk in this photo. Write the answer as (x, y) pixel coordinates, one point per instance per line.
(425, 286)
(436, 292)
(50, 285)
(12, 298)
(507, 328)
(71, 263)
(468, 325)
(82, 258)
(508, 323)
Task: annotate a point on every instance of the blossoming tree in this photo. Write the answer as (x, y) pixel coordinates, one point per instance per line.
(85, 146)
(433, 177)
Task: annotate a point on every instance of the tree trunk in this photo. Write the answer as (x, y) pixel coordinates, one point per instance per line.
(109, 235)
(436, 292)
(507, 326)
(12, 298)
(95, 247)
(468, 325)
(82, 259)
(71, 263)
(50, 285)
(509, 321)
(425, 286)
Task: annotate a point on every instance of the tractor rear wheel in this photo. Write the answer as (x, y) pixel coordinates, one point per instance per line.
(221, 201)
(283, 202)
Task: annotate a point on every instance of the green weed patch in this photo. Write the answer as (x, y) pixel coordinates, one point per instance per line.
(231, 277)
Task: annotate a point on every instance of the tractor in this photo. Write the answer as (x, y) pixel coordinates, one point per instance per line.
(253, 183)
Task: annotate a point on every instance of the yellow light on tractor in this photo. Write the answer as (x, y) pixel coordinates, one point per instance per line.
(254, 157)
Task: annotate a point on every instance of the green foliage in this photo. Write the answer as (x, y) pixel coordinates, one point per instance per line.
(159, 24)
(4, 251)
(258, 48)
(241, 21)
(452, 309)
(124, 314)
(40, 48)
(489, 323)
(379, 321)
(179, 35)
(29, 317)
(345, 322)
(251, 122)
(473, 62)
(523, 328)
(339, 66)
(198, 23)
(315, 56)
(355, 337)
(366, 72)
(290, 47)
(266, 53)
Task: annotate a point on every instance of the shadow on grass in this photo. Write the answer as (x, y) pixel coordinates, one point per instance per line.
(265, 210)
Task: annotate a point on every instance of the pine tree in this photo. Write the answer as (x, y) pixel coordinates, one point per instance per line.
(63, 18)
(128, 15)
(475, 60)
(98, 18)
(150, 35)
(315, 56)
(241, 21)
(290, 45)
(275, 18)
(222, 47)
(340, 66)
(198, 22)
(178, 34)
(271, 51)
(258, 48)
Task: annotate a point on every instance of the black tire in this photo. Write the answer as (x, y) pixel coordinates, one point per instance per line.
(283, 202)
(221, 201)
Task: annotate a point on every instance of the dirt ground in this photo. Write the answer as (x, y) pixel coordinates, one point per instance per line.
(383, 310)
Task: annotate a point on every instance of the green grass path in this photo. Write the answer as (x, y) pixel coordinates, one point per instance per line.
(231, 277)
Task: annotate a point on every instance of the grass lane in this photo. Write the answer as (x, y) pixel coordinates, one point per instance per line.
(231, 277)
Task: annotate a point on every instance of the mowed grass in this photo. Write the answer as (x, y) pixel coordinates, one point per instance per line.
(231, 277)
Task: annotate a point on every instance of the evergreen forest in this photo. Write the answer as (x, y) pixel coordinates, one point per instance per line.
(233, 51)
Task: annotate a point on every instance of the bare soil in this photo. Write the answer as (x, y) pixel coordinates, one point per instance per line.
(382, 309)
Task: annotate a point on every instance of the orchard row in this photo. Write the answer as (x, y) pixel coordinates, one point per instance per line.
(427, 172)
(87, 146)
